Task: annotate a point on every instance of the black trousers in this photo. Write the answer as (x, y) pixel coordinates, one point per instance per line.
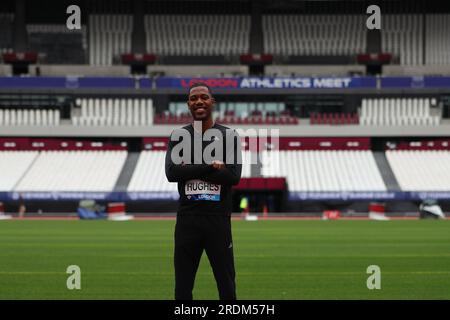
(193, 234)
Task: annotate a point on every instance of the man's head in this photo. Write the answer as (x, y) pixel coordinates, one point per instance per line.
(200, 101)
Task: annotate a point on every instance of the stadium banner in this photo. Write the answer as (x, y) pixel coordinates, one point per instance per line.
(434, 144)
(324, 143)
(32, 82)
(415, 82)
(173, 195)
(368, 195)
(270, 82)
(145, 83)
(69, 82)
(30, 144)
(80, 195)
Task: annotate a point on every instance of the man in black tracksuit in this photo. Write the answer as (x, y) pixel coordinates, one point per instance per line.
(204, 185)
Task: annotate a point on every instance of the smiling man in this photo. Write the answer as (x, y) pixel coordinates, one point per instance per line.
(205, 204)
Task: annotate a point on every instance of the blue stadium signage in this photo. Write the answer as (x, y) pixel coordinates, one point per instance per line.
(74, 83)
(271, 83)
(293, 195)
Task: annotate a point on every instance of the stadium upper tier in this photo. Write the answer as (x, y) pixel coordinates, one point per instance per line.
(413, 39)
(6, 27)
(197, 35)
(314, 34)
(109, 36)
(437, 41)
(57, 44)
(402, 36)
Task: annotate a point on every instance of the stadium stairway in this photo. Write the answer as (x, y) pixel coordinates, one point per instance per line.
(127, 172)
(255, 168)
(386, 172)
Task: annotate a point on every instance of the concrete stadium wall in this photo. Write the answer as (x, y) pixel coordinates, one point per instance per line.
(285, 131)
(198, 70)
(314, 70)
(80, 70)
(425, 70)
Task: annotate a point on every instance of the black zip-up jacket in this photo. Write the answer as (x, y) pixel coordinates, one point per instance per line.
(203, 189)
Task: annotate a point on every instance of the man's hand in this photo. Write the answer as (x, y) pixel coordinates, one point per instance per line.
(218, 164)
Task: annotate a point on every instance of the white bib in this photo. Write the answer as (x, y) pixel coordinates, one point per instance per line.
(199, 190)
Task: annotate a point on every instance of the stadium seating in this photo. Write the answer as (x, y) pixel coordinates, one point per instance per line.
(109, 37)
(29, 117)
(77, 70)
(324, 170)
(334, 118)
(113, 112)
(73, 171)
(437, 42)
(402, 36)
(417, 70)
(59, 44)
(198, 70)
(13, 165)
(6, 34)
(5, 70)
(314, 34)
(197, 34)
(398, 111)
(148, 175)
(421, 170)
(244, 113)
(307, 170)
(106, 36)
(314, 70)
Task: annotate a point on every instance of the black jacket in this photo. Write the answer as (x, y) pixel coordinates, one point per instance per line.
(203, 189)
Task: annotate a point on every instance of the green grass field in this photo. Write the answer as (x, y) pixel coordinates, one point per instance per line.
(274, 259)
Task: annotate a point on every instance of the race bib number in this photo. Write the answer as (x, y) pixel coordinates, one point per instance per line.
(199, 190)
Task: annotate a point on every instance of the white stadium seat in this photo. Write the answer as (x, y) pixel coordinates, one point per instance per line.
(314, 34)
(402, 36)
(117, 112)
(398, 111)
(29, 117)
(13, 165)
(148, 175)
(197, 34)
(109, 36)
(73, 171)
(324, 170)
(437, 41)
(421, 170)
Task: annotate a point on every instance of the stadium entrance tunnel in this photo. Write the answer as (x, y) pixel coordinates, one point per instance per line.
(259, 201)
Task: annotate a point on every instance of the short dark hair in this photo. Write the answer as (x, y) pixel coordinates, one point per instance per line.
(199, 84)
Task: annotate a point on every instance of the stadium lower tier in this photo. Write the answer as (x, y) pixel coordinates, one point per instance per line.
(119, 175)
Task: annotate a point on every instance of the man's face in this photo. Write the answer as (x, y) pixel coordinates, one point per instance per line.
(200, 103)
